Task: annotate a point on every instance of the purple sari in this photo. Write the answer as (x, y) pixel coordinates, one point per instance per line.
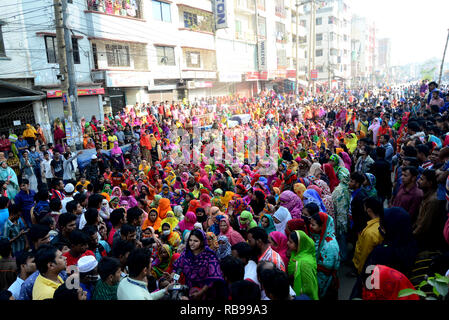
(200, 270)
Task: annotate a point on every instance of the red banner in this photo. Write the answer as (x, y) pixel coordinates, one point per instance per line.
(81, 92)
(257, 75)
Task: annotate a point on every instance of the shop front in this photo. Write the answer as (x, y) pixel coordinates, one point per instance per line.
(90, 103)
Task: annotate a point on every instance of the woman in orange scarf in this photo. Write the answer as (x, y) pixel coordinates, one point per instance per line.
(153, 220)
(164, 207)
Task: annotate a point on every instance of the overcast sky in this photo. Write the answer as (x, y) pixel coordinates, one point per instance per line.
(417, 28)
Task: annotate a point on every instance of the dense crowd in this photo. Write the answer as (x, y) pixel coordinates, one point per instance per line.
(361, 180)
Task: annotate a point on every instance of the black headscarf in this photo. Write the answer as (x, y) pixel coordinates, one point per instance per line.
(399, 248)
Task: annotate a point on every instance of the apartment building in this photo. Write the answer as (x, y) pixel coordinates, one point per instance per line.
(364, 50)
(332, 42)
(128, 52)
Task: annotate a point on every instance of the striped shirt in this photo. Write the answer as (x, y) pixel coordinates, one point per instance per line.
(11, 230)
(273, 256)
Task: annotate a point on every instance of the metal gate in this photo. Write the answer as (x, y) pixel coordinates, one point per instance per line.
(15, 111)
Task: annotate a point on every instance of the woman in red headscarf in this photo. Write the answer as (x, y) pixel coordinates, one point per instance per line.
(387, 284)
(333, 180)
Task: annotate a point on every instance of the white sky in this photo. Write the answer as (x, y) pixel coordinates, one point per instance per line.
(418, 28)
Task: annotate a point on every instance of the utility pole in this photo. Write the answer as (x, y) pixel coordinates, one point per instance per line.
(297, 46)
(65, 61)
(444, 55)
(73, 89)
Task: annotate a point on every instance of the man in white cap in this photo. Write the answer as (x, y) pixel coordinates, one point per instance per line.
(87, 267)
(68, 190)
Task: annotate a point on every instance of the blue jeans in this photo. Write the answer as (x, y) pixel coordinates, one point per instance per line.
(342, 243)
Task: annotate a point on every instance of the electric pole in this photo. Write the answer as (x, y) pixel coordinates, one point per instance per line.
(444, 55)
(73, 89)
(297, 46)
(66, 68)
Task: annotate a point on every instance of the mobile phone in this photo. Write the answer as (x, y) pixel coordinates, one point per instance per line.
(176, 277)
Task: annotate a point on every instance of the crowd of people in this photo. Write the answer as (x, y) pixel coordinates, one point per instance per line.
(361, 181)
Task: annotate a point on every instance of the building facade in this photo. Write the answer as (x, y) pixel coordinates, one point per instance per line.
(363, 51)
(332, 43)
(140, 51)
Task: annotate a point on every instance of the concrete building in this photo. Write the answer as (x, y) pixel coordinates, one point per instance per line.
(153, 50)
(29, 68)
(384, 57)
(364, 50)
(333, 42)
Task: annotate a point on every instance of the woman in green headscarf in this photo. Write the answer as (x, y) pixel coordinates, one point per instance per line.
(246, 221)
(186, 203)
(338, 164)
(155, 203)
(164, 261)
(267, 223)
(8, 176)
(302, 266)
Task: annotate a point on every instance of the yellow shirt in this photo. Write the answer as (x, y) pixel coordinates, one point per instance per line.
(368, 239)
(45, 288)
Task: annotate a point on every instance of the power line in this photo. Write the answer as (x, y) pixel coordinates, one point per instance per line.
(15, 4)
(29, 11)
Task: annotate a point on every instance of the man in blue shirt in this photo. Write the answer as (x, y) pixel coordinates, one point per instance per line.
(25, 201)
(21, 145)
(389, 151)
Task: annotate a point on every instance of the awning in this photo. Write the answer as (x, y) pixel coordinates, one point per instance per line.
(12, 93)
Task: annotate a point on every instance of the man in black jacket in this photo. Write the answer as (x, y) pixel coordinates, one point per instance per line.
(381, 170)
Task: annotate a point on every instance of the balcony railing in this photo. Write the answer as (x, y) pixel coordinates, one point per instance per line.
(116, 7)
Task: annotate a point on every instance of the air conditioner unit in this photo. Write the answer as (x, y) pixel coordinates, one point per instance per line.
(191, 85)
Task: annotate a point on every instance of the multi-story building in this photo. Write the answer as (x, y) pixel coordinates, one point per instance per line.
(332, 41)
(363, 43)
(384, 57)
(29, 71)
(128, 52)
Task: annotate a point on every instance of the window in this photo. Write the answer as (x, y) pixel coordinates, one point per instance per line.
(193, 59)
(238, 26)
(282, 58)
(95, 54)
(280, 32)
(190, 19)
(117, 55)
(76, 51)
(345, 37)
(50, 47)
(331, 36)
(319, 21)
(320, 68)
(161, 11)
(303, 23)
(319, 53)
(319, 36)
(165, 56)
(331, 20)
(117, 8)
(2, 45)
(334, 52)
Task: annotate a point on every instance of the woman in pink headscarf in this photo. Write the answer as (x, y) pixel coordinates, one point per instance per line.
(205, 201)
(374, 128)
(292, 203)
(278, 242)
(347, 160)
(117, 157)
(226, 230)
(188, 222)
(204, 180)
